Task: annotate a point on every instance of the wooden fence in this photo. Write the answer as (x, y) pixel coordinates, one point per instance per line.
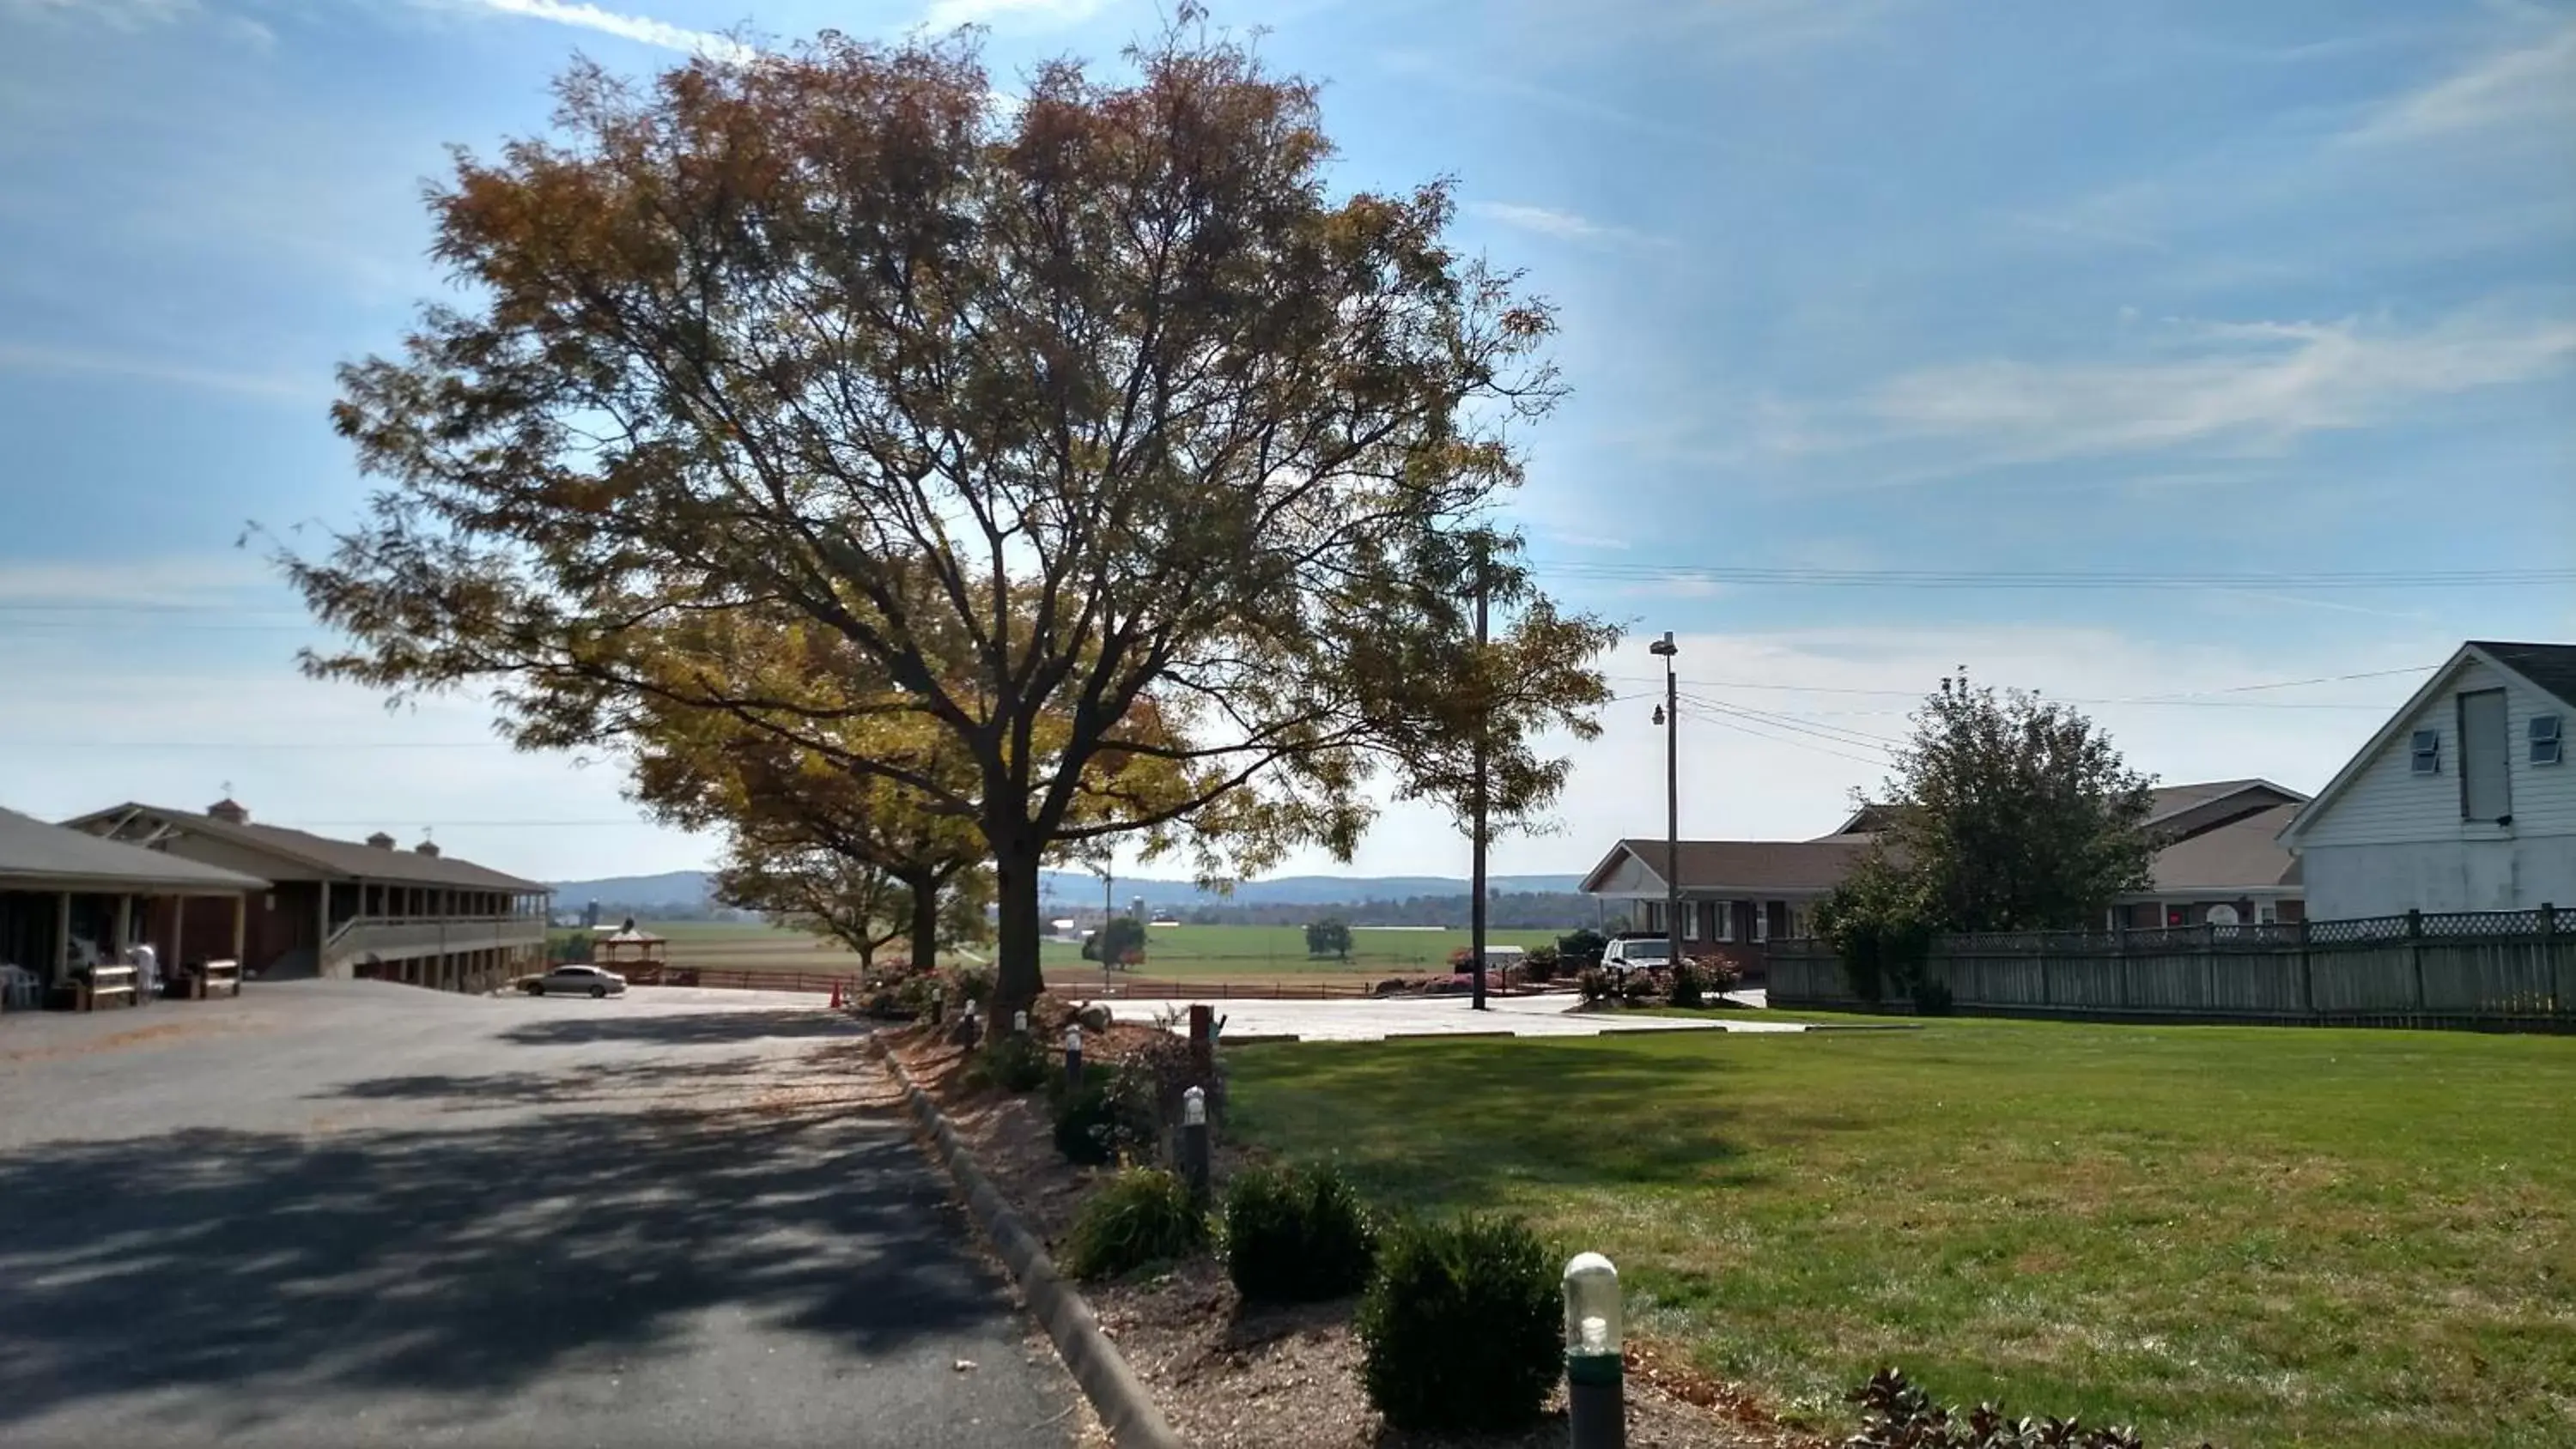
(2493, 968)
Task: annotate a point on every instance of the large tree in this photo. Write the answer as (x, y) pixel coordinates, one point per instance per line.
(1084, 430)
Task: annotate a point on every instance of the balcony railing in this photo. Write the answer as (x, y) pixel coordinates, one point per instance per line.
(398, 938)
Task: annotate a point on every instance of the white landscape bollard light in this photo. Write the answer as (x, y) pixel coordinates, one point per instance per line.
(1020, 1022)
(1073, 1056)
(1595, 1395)
(1194, 1142)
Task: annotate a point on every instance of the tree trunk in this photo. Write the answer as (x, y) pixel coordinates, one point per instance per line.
(1016, 979)
(925, 921)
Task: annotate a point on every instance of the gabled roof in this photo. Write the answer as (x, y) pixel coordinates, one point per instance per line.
(2556, 677)
(1744, 865)
(2167, 801)
(2549, 668)
(2239, 855)
(38, 856)
(338, 858)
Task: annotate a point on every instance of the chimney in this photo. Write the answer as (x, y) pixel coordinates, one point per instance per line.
(426, 847)
(381, 841)
(229, 811)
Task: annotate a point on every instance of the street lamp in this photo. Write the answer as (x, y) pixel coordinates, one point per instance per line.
(1669, 715)
(1595, 1397)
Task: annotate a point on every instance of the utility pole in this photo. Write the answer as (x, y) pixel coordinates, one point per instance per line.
(1476, 907)
(1108, 902)
(1670, 717)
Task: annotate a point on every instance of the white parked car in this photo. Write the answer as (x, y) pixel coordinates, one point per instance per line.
(575, 981)
(1630, 953)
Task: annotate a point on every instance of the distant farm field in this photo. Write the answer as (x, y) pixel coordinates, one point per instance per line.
(1171, 952)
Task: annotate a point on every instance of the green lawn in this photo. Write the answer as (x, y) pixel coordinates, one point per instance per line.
(2262, 1236)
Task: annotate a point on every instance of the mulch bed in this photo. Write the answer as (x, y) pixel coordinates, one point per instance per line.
(1233, 1377)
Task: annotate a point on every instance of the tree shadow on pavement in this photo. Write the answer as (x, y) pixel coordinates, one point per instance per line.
(280, 1266)
(702, 1028)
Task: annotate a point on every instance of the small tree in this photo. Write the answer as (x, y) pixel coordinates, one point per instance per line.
(1120, 942)
(2006, 813)
(1330, 936)
(1583, 946)
(2013, 814)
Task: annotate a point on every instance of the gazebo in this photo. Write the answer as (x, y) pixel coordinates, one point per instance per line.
(69, 899)
(627, 950)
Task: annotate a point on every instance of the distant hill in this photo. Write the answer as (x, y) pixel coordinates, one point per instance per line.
(680, 889)
(687, 889)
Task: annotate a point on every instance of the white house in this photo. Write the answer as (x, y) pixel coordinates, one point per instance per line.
(2464, 801)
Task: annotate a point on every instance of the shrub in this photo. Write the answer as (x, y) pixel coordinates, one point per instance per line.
(1932, 998)
(1012, 1061)
(1582, 948)
(1594, 984)
(1096, 1120)
(1897, 1415)
(1459, 1329)
(912, 997)
(1643, 986)
(1541, 965)
(1143, 1215)
(1296, 1235)
(971, 983)
(1685, 986)
(1716, 974)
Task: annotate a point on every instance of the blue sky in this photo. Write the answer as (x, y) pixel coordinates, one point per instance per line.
(2175, 290)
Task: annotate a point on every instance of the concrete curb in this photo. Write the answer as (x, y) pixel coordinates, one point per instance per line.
(1095, 1363)
(1445, 1035)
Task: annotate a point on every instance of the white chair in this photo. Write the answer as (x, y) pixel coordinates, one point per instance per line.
(19, 989)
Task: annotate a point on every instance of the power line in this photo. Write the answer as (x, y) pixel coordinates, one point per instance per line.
(1832, 733)
(1724, 722)
(2057, 579)
(2193, 699)
(254, 745)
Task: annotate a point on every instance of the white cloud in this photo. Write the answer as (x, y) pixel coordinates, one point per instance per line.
(117, 14)
(2260, 383)
(42, 358)
(2532, 87)
(186, 580)
(1564, 225)
(949, 14)
(641, 29)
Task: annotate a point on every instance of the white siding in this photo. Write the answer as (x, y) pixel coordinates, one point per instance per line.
(2345, 881)
(2388, 803)
(2394, 841)
(1631, 879)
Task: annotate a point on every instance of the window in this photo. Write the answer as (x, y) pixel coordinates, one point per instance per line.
(1761, 924)
(2548, 740)
(1690, 923)
(2486, 787)
(2266, 913)
(2428, 752)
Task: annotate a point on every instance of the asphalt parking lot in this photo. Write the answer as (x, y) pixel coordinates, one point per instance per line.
(346, 1213)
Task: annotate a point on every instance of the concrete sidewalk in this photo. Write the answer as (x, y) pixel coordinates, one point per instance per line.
(1400, 1016)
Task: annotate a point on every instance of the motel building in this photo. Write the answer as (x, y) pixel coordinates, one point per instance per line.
(338, 908)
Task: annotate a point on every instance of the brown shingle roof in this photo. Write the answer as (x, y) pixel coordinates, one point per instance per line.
(2240, 855)
(337, 857)
(38, 856)
(1756, 865)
